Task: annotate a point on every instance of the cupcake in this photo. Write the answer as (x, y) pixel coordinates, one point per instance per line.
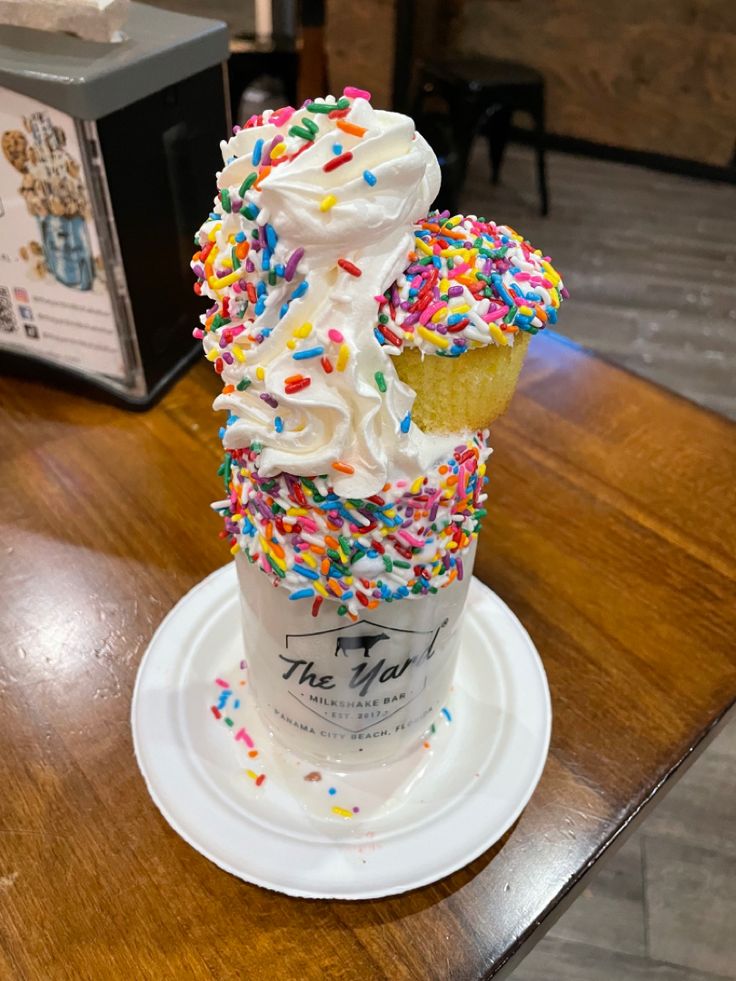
(473, 293)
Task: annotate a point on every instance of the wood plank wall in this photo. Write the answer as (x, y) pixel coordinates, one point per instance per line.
(359, 44)
(657, 77)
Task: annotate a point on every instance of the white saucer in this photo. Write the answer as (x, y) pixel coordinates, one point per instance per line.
(381, 831)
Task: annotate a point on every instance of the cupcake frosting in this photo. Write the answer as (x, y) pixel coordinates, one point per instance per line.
(467, 283)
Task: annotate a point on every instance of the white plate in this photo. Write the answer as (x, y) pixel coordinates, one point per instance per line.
(397, 827)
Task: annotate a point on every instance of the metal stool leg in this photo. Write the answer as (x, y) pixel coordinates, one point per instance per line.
(497, 130)
(466, 114)
(540, 147)
(442, 142)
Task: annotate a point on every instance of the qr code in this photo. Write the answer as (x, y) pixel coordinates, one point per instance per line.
(7, 316)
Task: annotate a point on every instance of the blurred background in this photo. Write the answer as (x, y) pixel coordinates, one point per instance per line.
(617, 120)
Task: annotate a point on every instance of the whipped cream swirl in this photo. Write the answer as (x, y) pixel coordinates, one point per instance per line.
(328, 222)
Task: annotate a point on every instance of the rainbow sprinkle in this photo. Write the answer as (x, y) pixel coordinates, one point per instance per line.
(406, 541)
(468, 283)
(257, 778)
(242, 734)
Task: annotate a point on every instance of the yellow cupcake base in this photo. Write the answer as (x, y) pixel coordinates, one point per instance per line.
(455, 395)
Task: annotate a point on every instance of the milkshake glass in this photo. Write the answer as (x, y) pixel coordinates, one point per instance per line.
(348, 693)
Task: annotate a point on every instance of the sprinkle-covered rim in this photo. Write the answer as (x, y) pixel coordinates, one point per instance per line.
(405, 542)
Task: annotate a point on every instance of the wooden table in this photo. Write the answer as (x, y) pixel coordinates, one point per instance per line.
(610, 533)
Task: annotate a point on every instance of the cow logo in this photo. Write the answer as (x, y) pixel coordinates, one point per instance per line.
(364, 642)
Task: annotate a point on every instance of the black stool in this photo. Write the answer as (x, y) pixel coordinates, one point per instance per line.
(482, 94)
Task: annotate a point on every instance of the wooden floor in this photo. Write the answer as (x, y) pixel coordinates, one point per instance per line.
(649, 258)
(662, 908)
(650, 261)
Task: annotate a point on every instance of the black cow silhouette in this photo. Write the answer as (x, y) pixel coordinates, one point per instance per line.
(364, 643)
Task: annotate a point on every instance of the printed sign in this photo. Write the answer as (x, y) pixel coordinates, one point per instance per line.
(334, 689)
(54, 302)
(378, 672)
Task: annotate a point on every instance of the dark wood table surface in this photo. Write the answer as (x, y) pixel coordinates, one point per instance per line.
(610, 533)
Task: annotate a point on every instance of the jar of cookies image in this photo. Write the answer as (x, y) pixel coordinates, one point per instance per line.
(54, 194)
